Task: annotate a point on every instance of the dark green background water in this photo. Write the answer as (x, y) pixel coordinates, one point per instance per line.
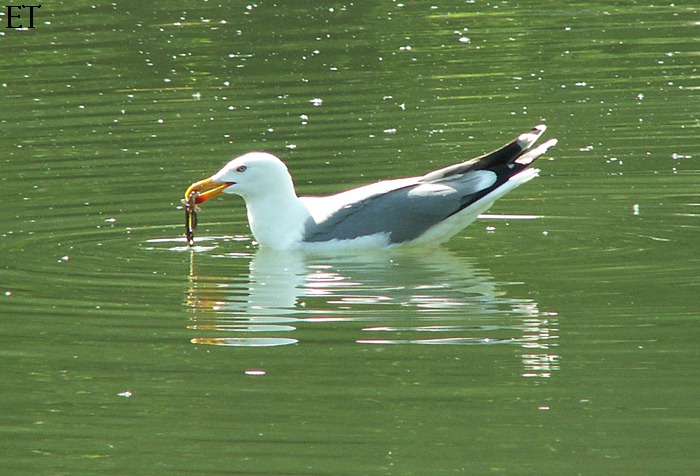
(566, 344)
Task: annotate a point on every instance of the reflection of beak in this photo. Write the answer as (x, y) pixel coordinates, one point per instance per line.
(206, 189)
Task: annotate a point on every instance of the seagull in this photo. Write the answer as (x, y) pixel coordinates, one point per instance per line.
(410, 211)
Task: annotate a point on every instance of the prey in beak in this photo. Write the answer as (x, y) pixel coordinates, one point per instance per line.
(196, 193)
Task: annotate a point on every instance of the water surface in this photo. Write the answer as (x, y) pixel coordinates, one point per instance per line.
(563, 344)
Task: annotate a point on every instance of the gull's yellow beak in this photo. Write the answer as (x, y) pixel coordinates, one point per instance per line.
(196, 193)
(206, 189)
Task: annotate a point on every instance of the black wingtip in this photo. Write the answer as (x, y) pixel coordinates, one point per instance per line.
(515, 152)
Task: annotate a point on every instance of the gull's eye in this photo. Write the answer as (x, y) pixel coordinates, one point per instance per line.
(242, 168)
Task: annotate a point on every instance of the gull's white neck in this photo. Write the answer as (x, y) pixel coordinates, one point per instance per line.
(277, 217)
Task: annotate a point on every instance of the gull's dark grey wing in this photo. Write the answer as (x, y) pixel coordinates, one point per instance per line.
(403, 214)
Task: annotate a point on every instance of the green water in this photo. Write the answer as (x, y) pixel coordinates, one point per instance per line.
(565, 344)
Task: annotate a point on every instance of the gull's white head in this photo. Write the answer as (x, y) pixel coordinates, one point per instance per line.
(251, 175)
(254, 173)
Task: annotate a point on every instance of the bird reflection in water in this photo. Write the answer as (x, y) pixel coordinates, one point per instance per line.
(406, 297)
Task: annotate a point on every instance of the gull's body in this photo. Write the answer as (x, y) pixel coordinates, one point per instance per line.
(409, 211)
